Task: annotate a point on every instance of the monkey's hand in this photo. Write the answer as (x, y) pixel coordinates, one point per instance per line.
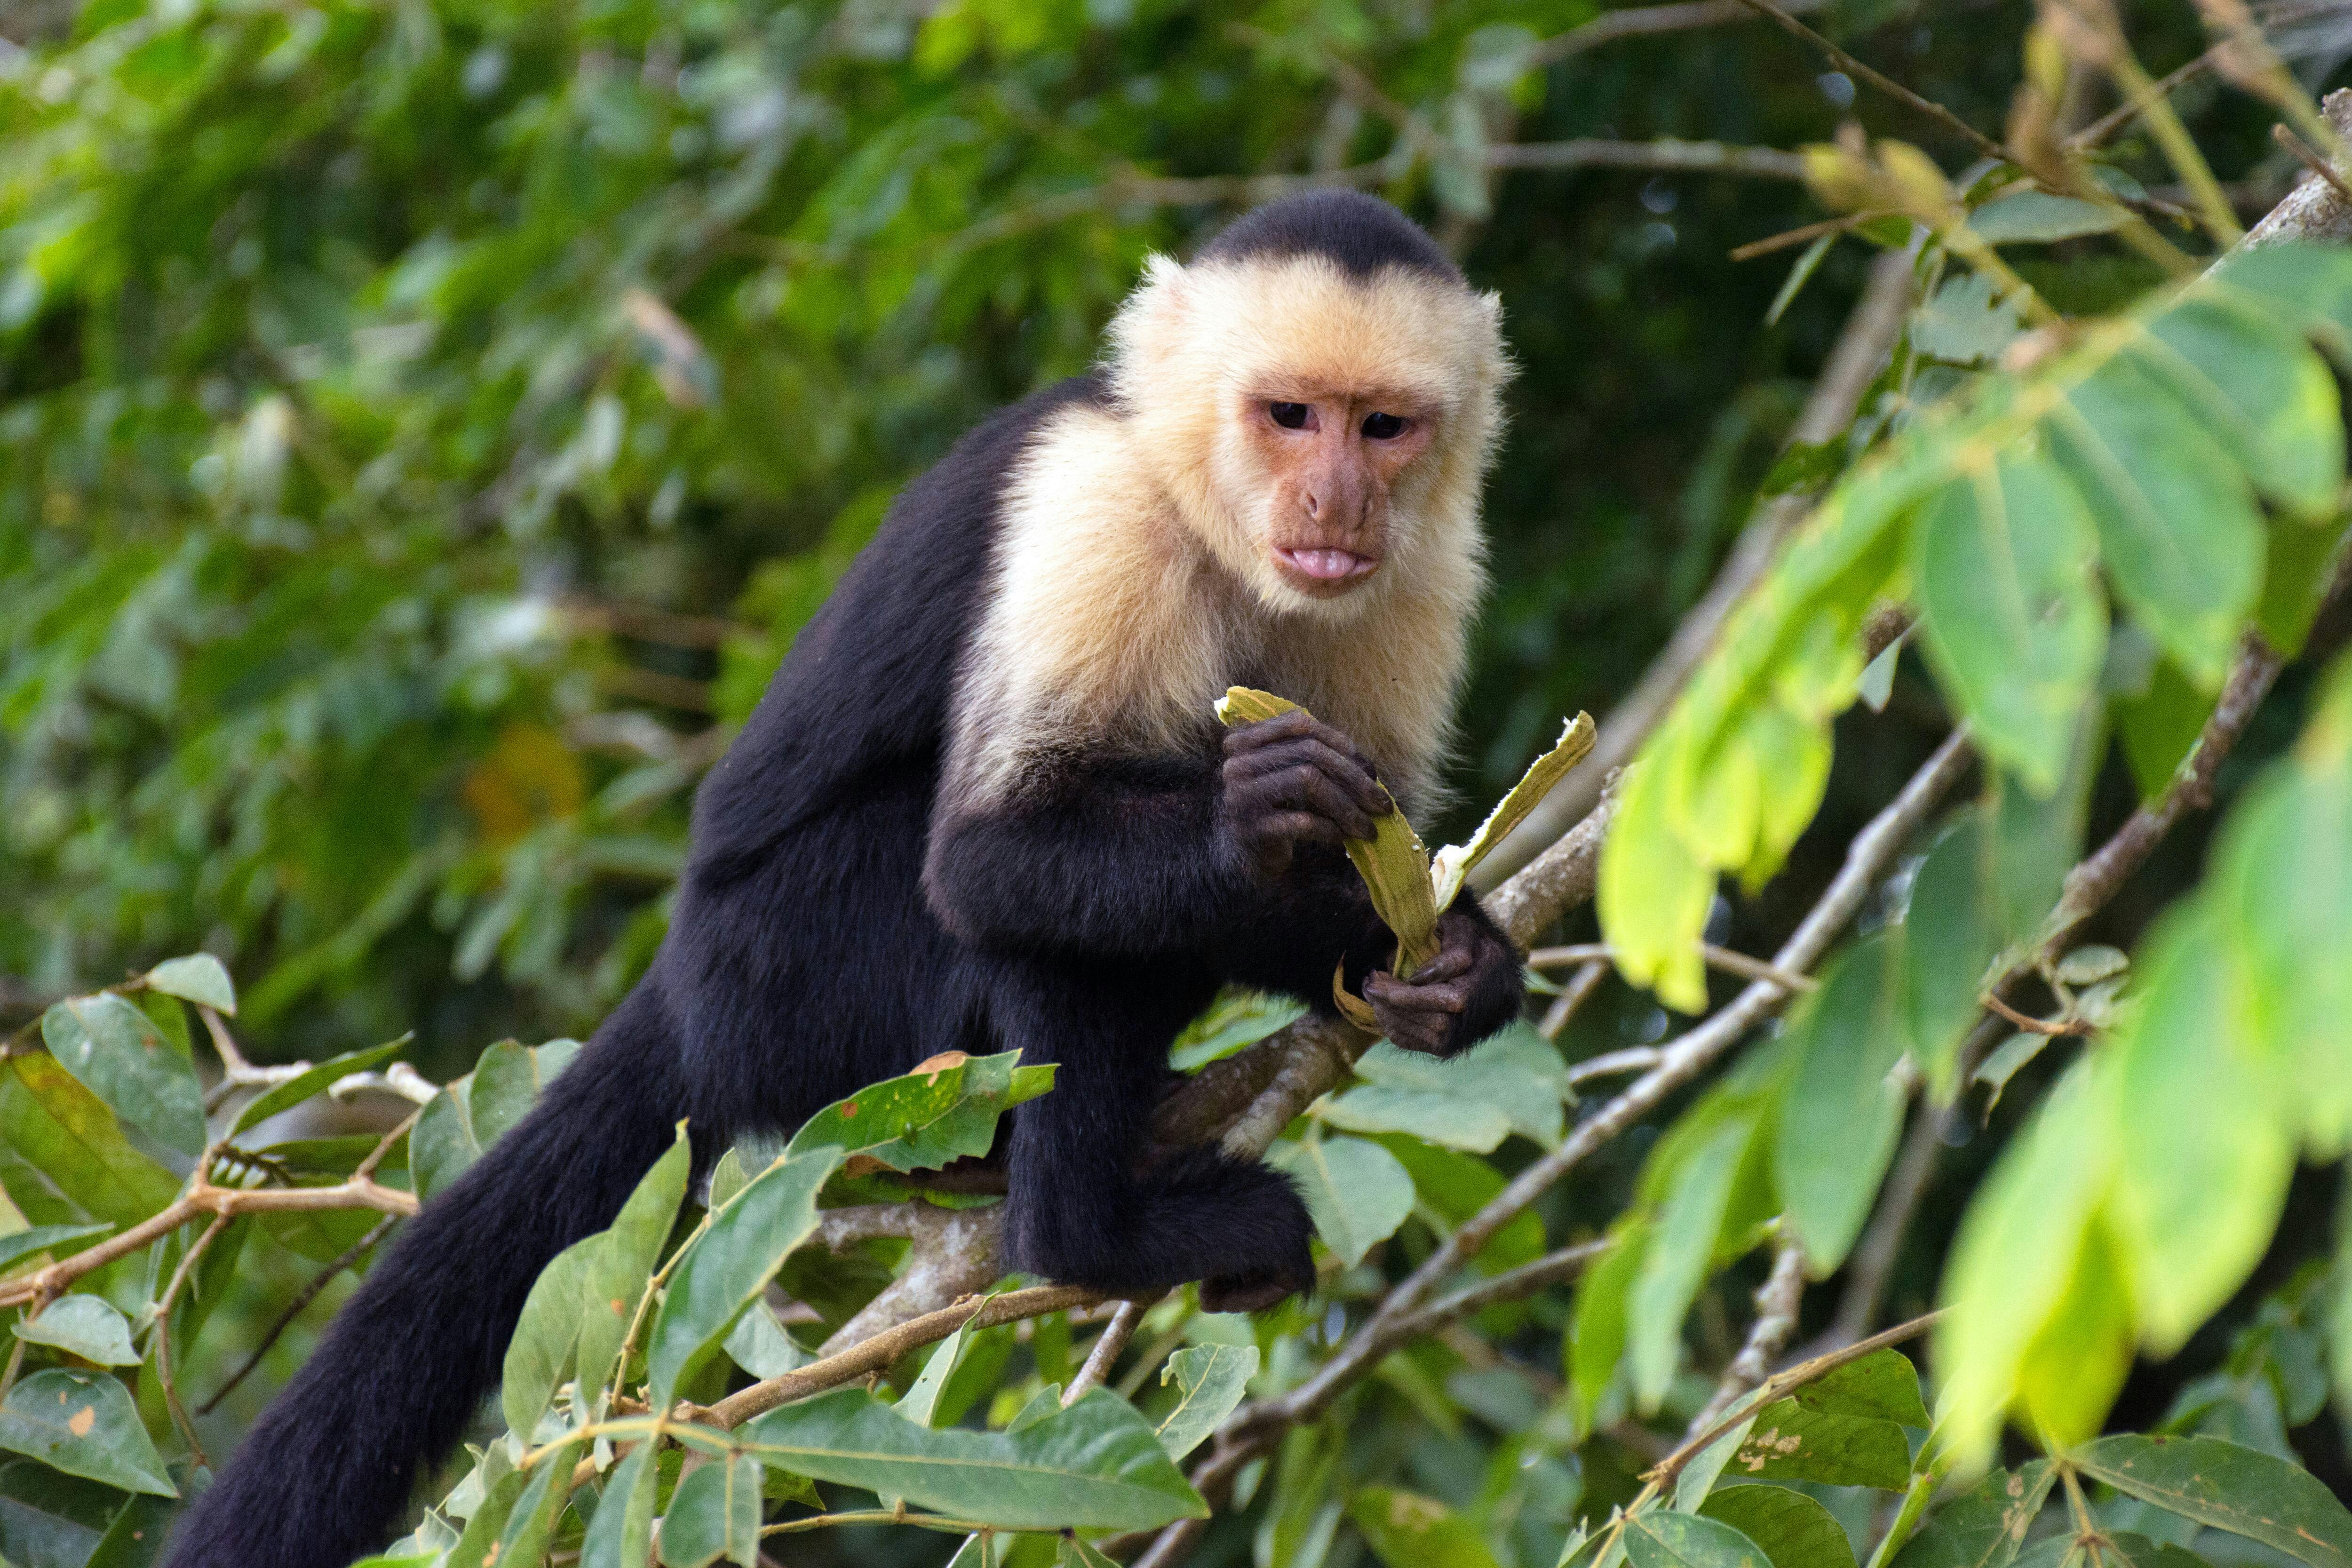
(1289, 780)
(1468, 991)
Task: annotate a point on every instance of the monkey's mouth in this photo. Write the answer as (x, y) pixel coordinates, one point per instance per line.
(1329, 565)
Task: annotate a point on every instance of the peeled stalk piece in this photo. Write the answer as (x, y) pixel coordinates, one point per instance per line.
(1408, 889)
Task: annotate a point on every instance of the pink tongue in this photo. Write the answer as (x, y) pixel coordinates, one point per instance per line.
(1325, 563)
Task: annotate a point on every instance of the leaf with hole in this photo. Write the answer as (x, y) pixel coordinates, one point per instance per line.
(84, 1424)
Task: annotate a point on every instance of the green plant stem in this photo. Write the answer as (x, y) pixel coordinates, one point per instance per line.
(2178, 147)
(878, 1516)
(1907, 1519)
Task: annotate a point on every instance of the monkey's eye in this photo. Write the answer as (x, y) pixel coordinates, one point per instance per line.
(1289, 416)
(1383, 426)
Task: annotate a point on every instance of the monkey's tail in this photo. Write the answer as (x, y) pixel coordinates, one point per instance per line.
(330, 1464)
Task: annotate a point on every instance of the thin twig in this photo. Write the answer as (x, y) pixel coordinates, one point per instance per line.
(1777, 1302)
(1723, 958)
(1108, 1348)
(2030, 1025)
(2135, 104)
(1571, 1001)
(1645, 21)
(1879, 80)
(163, 1304)
(876, 1352)
(302, 1297)
(203, 1198)
(1666, 154)
(2309, 156)
(1609, 1064)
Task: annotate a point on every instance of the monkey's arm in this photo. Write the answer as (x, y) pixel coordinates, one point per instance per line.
(1132, 855)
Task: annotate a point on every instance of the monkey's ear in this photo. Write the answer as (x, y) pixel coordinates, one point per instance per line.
(1156, 322)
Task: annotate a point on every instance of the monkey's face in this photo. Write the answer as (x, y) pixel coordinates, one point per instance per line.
(1326, 461)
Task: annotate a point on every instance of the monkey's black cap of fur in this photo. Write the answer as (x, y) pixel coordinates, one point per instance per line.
(1361, 234)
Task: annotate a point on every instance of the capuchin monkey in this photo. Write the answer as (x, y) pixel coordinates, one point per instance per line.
(986, 804)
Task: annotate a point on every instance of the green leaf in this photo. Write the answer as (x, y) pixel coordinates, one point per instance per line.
(621, 1533)
(1791, 1529)
(1408, 1531)
(615, 1273)
(2299, 565)
(1842, 1113)
(1658, 1539)
(1789, 1442)
(1602, 1323)
(1095, 1464)
(199, 977)
(2176, 516)
(746, 1244)
(715, 1514)
(24, 1244)
(84, 1424)
(1882, 1385)
(87, 1326)
(1676, 1262)
(2159, 727)
(928, 1117)
(1514, 1082)
(74, 1144)
(1967, 321)
(1211, 1380)
(541, 1356)
(1653, 894)
(920, 1403)
(2283, 884)
(1357, 1191)
(120, 1056)
(470, 1115)
(2037, 217)
(2205, 1159)
(1984, 1526)
(531, 1524)
(2017, 1255)
(1455, 1186)
(2012, 619)
(2243, 1490)
(2256, 387)
(759, 1344)
(1949, 941)
(480, 1545)
(1236, 1021)
(295, 1090)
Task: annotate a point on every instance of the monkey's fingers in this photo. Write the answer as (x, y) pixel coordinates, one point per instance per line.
(1311, 773)
(1383, 989)
(1451, 963)
(1298, 725)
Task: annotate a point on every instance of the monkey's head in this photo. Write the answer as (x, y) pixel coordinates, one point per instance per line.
(1319, 390)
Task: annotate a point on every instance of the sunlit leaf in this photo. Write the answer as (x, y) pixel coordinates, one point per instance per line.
(1355, 1191)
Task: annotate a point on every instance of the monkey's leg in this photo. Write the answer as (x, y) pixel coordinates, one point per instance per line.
(1082, 1208)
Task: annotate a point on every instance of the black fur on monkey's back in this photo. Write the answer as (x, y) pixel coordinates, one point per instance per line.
(804, 960)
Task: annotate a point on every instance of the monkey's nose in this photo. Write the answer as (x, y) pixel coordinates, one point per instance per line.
(1314, 504)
